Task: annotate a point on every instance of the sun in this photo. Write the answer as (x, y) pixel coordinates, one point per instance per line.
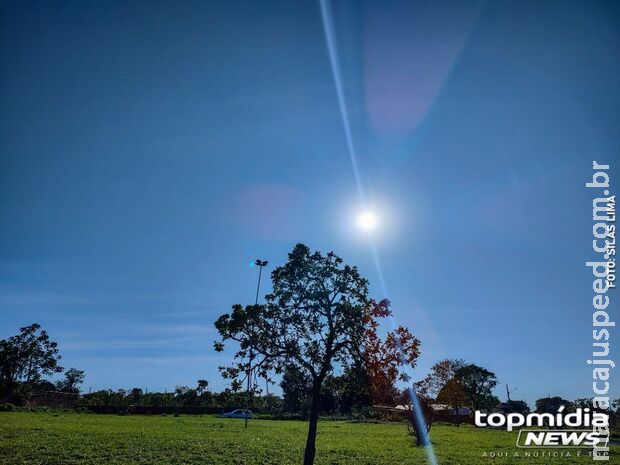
(367, 221)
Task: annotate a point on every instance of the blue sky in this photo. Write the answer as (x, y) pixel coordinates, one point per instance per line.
(150, 151)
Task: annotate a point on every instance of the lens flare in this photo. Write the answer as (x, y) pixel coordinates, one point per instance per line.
(366, 220)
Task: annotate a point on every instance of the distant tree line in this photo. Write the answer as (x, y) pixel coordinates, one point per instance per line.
(28, 357)
(25, 359)
(195, 400)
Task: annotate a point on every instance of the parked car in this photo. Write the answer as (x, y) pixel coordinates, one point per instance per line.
(239, 413)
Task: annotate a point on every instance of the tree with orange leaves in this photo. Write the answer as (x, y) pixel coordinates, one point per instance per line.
(387, 359)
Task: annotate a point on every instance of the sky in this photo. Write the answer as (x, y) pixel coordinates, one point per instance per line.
(150, 151)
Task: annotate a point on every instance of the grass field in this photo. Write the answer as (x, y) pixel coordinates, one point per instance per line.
(80, 438)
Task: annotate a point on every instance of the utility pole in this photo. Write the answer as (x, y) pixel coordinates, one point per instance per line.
(508, 391)
(260, 264)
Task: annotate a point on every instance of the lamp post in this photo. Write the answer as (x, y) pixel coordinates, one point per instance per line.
(260, 264)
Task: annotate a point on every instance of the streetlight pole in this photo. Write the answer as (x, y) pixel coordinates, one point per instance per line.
(260, 264)
(508, 391)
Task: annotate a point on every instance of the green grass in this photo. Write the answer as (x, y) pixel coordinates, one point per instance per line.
(73, 438)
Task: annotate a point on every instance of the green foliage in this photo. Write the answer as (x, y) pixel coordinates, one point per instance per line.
(203, 386)
(183, 396)
(352, 391)
(296, 391)
(313, 319)
(439, 375)
(515, 406)
(477, 384)
(24, 359)
(7, 407)
(552, 404)
(73, 378)
(459, 384)
(453, 394)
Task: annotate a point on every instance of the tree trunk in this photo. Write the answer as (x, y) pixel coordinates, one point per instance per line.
(314, 420)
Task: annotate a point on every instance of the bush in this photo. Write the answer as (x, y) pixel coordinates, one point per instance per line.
(7, 407)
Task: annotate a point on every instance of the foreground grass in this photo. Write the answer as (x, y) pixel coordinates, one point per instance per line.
(74, 438)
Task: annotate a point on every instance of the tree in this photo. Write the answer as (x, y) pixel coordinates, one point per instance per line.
(354, 393)
(43, 386)
(73, 377)
(584, 402)
(385, 358)
(312, 320)
(515, 406)
(457, 384)
(453, 394)
(26, 357)
(552, 404)
(478, 383)
(135, 395)
(203, 385)
(440, 374)
(185, 396)
(296, 391)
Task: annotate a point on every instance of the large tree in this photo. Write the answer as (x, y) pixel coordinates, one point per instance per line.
(439, 375)
(26, 357)
(456, 383)
(453, 394)
(73, 378)
(552, 404)
(478, 384)
(315, 318)
(516, 406)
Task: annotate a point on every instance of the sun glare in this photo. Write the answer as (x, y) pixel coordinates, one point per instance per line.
(367, 221)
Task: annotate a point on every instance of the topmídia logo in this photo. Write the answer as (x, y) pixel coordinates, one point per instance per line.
(581, 428)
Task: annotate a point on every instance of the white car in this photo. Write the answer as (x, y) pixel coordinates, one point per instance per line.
(239, 413)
